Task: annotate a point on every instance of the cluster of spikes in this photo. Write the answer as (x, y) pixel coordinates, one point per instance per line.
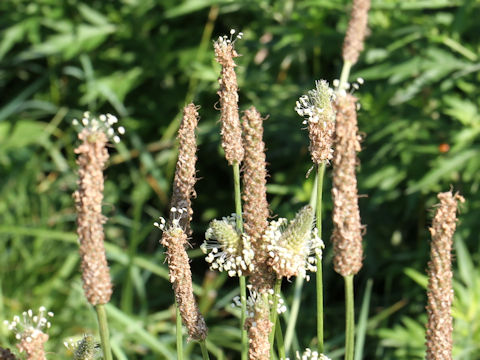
(104, 123)
(29, 325)
(292, 247)
(228, 249)
(254, 297)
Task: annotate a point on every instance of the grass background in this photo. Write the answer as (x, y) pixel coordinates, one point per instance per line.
(143, 61)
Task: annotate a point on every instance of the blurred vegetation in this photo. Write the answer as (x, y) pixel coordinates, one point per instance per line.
(143, 61)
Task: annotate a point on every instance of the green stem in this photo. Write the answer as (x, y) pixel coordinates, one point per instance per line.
(274, 313)
(243, 299)
(103, 327)
(243, 285)
(279, 338)
(203, 346)
(347, 65)
(292, 319)
(238, 198)
(319, 277)
(179, 334)
(350, 318)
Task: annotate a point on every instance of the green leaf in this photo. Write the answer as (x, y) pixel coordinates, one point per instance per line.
(445, 167)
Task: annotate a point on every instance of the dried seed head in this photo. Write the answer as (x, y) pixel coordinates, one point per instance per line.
(29, 333)
(357, 29)
(440, 291)
(228, 249)
(92, 156)
(254, 178)
(347, 230)
(185, 174)
(293, 249)
(228, 93)
(317, 110)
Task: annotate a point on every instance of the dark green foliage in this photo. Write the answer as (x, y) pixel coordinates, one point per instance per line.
(143, 61)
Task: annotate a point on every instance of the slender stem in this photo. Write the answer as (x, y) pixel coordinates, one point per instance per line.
(274, 313)
(243, 300)
(179, 334)
(238, 198)
(103, 327)
(292, 319)
(279, 338)
(243, 285)
(350, 318)
(319, 277)
(203, 346)
(347, 65)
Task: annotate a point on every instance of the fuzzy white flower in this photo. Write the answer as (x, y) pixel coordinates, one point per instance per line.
(293, 249)
(226, 248)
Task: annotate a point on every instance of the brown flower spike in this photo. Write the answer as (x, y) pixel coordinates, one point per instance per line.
(357, 29)
(347, 230)
(175, 233)
(255, 206)
(185, 177)
(92, 156)
(175, 240)
(440, 291)
(255, 223)
(231, 130)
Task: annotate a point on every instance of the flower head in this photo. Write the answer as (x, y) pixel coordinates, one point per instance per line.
(228, 249)
(293, 249)
(104, 124)
(29, 333)
(317, 110)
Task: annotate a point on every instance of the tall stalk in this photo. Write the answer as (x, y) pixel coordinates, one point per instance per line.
(319, 277)
(203, 347)
(243, 285)
(350, 318)
(103, 328)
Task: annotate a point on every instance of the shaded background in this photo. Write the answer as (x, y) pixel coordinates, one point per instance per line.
(143, 61)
